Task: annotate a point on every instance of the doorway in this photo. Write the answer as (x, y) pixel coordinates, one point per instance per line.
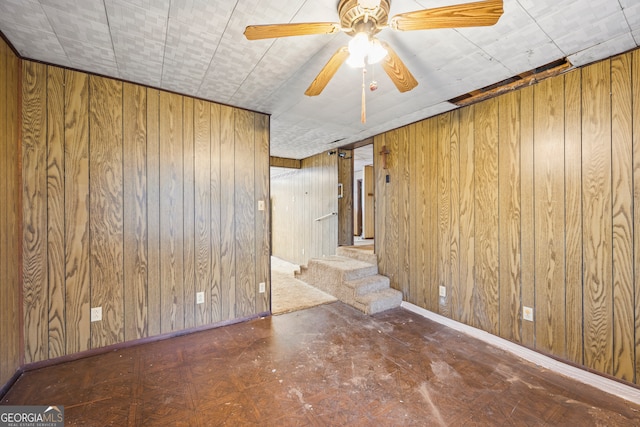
(363, 197)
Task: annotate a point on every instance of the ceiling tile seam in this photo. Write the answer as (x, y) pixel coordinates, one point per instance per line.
(626, 19)
(265, 54)
(44, 12)
(113, 47)
(541, 29)
(215, 51)
(164, 50)
(492, 58)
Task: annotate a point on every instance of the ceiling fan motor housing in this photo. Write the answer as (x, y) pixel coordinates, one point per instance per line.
(359, 20)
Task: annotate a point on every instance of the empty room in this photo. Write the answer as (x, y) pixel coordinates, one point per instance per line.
(320, 212)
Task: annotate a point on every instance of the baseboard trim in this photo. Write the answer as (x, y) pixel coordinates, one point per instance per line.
(610, 386)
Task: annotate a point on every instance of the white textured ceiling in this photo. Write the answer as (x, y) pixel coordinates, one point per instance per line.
(196, 47)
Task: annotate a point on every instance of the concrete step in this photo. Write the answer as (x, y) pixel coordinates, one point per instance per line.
(365, 255)
(368, 284)
(379, 301)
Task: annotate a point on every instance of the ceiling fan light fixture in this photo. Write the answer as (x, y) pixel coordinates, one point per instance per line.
(369, 4)
(376, 52)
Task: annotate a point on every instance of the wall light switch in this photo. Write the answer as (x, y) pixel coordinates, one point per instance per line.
(96, 314)
(262, 287)
(527, 313)
(200, 298)
(261, 205)
(443, 291)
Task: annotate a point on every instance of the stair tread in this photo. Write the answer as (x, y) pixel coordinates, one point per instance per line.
(341, 263)
(368, 280)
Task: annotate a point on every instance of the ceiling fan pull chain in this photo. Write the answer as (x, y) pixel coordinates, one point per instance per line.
(363, 115)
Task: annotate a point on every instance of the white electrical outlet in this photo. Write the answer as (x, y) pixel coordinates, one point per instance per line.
(527, 313)
(262, 287)
(96, 314)
(200, 298)
(261, 205)
(443, 291)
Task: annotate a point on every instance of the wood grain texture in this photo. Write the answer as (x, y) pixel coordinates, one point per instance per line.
(464, 302)
(527, 206)
(573, 215)
(10, 244)
(404, 213)
(216, 211)
(509, 217)
(245, 213)
(432, 295)
(34, 211)
(380, 203)
(635, 78)
(345, 203)
(76, 199)
(171, 213)
(415, 222)
(549, 315)
(263, 218)
(189, 208)
(454, 207)
(202, 202)
(154, 280)
(106, 209)
(622, 211)
(227, 214)
(444, 212)
(55, 211)
(597, 222)
(486, 292)
(392, 219)
(135, 211)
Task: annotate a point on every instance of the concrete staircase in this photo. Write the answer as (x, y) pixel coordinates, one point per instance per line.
(352, 277)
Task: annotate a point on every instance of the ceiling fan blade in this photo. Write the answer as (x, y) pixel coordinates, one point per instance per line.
(477, 14)
(259, 32)
(397, 71)
(329, 70)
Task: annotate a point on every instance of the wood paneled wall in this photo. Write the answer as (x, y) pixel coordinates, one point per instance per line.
(135, 200)
(529, 199)
(298, 198)
(10, 280)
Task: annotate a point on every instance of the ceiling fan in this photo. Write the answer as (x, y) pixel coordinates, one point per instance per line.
(363, 19)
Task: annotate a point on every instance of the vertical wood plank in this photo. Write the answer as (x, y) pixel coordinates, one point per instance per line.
(597, 222)
(432, 215)
(509, 215)
(76, 196)
(380, 203)
(404, 212)
(444, 220)
(171, 213)
(635, 78)
(135, 211)
(467, 216)
(55, 211)
(549, 216)
(202, 174)
(188, 182)
(622, 192)
(527, 211)
(454, 207)
(154, 281)
(245, 213)
(392, 221)
(219, 295)
(34, 173)
(415, 223)
(227, 222)
(486, 293)
(6, 313)
(106, 216)
(263, 252)
(573, 215)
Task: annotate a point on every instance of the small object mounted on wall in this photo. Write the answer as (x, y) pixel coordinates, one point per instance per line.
(384, 153)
